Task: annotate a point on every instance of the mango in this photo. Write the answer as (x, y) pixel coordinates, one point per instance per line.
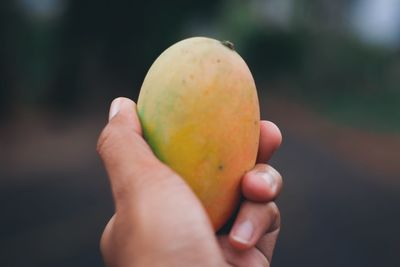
(199, 112)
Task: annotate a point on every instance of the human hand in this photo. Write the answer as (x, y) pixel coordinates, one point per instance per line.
(158, 221)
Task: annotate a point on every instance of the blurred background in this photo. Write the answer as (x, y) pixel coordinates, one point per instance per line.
(327, 73)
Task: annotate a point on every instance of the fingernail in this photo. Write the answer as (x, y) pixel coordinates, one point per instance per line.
(243, 232)
(114, 108)
(268, 175)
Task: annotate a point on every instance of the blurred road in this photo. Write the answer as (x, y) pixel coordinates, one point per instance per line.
(341, 199)
(334, 213)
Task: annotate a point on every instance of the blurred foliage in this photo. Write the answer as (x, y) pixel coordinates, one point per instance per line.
(95, 50)
(352, 83)
(59, 62)
(319, 61)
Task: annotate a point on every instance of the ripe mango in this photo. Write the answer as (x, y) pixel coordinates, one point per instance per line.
(199, 111)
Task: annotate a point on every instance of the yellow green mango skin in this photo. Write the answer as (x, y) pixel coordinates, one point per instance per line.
(199, 111)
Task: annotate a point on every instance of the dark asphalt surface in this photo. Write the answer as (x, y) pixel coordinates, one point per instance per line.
(332, 214)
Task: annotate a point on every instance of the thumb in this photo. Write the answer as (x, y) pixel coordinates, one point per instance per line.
(128, 159)
(153, 203)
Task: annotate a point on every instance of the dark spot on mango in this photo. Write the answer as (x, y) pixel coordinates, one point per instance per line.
(220, 167)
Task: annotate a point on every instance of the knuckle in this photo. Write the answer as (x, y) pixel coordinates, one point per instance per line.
(103, 243)
(277, 176)
(275, 173)
(105, 136)
(106, 236)
(114, 131)
(260, 260)
(274, 213)
(105, 248)
(110, 135)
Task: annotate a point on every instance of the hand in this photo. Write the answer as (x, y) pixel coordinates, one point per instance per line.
(158, 221)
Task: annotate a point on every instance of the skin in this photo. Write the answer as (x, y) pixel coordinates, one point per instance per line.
(158, 220)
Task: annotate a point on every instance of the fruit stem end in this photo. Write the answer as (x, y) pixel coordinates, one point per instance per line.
(228, 44)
